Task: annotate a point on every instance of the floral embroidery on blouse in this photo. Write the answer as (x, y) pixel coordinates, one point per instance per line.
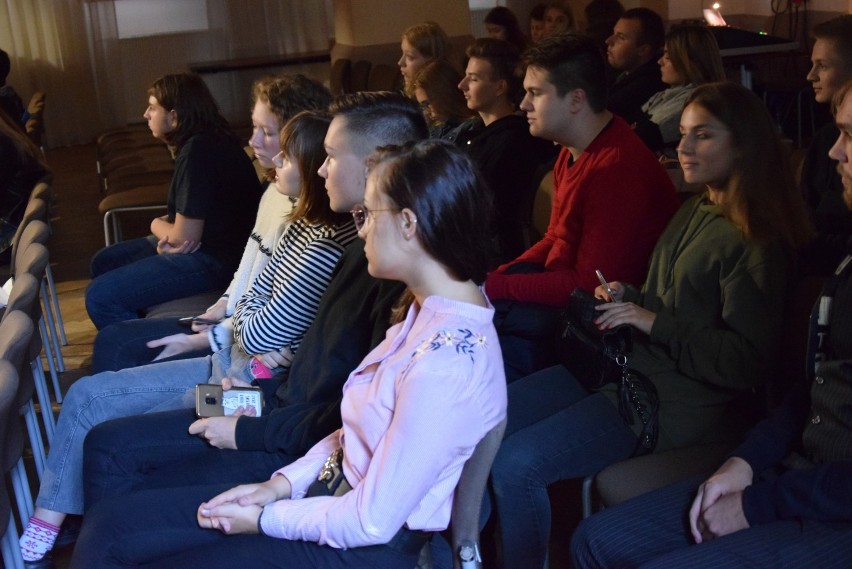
(465, 342)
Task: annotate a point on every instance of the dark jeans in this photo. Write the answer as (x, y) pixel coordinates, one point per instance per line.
(130, 276)
(527, 331)
(556, 431)
(652, 530)
(156, 451)
(158, 529)
(122, 345)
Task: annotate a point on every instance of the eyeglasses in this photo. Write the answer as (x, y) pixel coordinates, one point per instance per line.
(278, 159)
(360, 214)
(424, 105)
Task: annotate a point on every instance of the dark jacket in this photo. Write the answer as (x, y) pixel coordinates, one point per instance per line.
(631, 90)
(352, 319)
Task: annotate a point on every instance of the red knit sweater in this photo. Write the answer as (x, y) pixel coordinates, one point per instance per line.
(609, 207)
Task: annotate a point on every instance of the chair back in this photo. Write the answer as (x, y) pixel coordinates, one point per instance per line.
(467, 502)
(16, 330)
(11, 433)
(32, 259)
(24, 295)
(36, 209)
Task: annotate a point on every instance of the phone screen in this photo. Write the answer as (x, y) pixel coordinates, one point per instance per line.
(212, 401)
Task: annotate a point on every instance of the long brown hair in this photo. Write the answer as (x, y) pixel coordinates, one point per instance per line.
(302, 142)
(694, 54)
(440, 80)
(197, 110)
(761, 195)
(25, 148)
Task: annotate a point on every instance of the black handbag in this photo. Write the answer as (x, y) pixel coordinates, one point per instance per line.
(599, 357)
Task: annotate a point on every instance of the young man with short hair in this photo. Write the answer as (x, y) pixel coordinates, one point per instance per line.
(832, 67)
(611, 201)
(633, 49)
(499, 140)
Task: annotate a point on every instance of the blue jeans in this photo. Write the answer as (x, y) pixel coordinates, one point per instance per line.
(122, 345)
(158, 529)
(130, 276)
(98, 398)
(556, 431)
(652, 531)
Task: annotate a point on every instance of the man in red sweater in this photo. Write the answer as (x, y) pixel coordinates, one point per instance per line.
(611, 200)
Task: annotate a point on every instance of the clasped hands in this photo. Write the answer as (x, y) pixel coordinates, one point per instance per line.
(185, 248)
(237, 510)
(616, 313)
(718, 507)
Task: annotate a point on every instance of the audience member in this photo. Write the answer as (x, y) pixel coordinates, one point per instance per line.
(537, 22)
(10, 102)
(269, 320)
(353, 318)
(633, 49)
(399, 468)
(611, 200)
(601, 16)
(444, 106)
(499, 141)
(21, 167)
(783, 497)
(558, 18)
(690, 58)
(502, 24)
(705, 324)
(137, 342)
(420, 44)
(821, 184)
(212, 200)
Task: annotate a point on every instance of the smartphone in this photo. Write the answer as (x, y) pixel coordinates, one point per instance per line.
(606, 286)
(212, 401)
(187, 321)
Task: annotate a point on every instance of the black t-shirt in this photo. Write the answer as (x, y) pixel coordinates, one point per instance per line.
(214, 180)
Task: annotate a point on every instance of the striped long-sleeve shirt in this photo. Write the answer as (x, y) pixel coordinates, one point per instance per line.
(282, 302)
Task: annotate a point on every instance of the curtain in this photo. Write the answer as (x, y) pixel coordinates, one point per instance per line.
(47, 44)
(70, 49)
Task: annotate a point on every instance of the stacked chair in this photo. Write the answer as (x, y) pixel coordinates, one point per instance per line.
(135, 170)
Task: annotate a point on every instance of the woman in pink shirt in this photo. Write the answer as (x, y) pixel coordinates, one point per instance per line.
(371, 493)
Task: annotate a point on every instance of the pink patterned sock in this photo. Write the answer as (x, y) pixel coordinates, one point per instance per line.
(38, 539)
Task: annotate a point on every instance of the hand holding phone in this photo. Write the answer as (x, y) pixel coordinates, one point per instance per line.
(212, 401)
(609, 290)
(190, 320)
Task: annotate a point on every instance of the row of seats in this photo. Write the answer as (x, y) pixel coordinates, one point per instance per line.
(350, 77)
(23, 335)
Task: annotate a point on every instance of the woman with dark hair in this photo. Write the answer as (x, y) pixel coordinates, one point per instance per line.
(436, 90)
(21, 167)
(211, 206)
(502, 24)
(137, 342)
(424, 220)
(558, 18)
(691, 58)
(420, 44)
(705, 324)
(269, 322)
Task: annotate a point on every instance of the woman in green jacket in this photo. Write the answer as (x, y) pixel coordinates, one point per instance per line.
(705, 322)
